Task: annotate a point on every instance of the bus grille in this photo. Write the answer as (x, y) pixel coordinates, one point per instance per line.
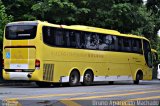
(48, 70)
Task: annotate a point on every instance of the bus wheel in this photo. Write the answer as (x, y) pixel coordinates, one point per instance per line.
(88, 78)
(111, 82)
(137, 78)
(43, 84)
(74, 78)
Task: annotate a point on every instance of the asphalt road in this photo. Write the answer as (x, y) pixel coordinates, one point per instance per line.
(121, 93)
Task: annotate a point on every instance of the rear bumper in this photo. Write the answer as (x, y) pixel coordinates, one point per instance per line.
(18, 75)
(28, 76)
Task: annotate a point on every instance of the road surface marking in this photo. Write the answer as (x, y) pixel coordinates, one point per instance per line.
(107, 96)
(45, 96)
(69, 103)
(103, 96)
(70, 94)
(11, 103)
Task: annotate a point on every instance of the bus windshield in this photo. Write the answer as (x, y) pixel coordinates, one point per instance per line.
(18, 32)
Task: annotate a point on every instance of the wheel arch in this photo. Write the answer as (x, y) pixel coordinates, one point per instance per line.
(139, 71)
(74, 69)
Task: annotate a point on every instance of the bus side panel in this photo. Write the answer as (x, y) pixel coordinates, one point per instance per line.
(61, 61)
(137, 62)
(118, 64)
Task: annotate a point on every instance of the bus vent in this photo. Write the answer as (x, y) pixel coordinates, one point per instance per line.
(48, 70)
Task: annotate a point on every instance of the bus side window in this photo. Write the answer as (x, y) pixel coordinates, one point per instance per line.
(59, 38)
(77, 35)
(147, 53)
(140, 47)
(91, 41)
(82, 40)
(120, 44)
(113, 43)
(48, 35)
(116, 43)
(134, 46)
(105, 42)
(72, 39)
(127, 44)
(102, 43)
(67, 38)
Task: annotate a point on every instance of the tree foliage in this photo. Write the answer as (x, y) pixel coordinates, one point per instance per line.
(4, 18)
(154, 7)
(126, 16)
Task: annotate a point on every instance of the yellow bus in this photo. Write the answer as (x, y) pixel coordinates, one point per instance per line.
(48, 54)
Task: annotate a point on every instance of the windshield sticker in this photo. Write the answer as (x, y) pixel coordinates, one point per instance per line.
(8, 55)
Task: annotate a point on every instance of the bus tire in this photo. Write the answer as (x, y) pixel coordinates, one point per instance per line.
(43, 84)
(137, 78)
(88, 78)
(74, 78)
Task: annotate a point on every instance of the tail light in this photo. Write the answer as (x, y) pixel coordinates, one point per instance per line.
(37, 64)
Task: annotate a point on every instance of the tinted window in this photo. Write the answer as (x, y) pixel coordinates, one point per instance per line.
(54, 36)
(127, 44)
(120, 44)
(107, 42)
(91, 40)
(86, 40)
(59, 38)
(21, 32)
(136, 46)
(62, 38)
(147, 53)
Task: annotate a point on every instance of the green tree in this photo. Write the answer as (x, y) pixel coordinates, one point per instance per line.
(154, 7)
(20, 9)
(4, 18)
(61, 11)
(126, 16)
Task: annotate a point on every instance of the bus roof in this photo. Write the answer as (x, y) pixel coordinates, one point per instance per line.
(84, 28)
(134, 36)
(23, 23)
(77, 27)
(94, 29)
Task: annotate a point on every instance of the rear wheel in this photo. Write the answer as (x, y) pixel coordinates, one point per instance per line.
(43, 84)
(137, 78)
(88, 78)
(74, 78)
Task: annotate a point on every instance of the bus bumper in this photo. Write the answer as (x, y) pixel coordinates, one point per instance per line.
(28, 76)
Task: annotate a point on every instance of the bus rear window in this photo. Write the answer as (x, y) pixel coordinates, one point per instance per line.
(19, 32)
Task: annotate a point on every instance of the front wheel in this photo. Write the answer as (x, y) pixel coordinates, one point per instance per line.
(137, 79)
